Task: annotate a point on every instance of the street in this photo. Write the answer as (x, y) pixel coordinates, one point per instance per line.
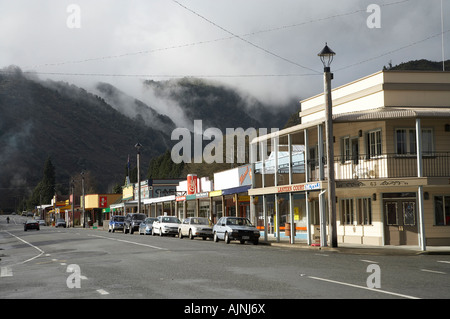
(67, 263)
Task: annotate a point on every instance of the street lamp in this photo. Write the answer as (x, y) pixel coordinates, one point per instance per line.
(138, 147)
(326, 56)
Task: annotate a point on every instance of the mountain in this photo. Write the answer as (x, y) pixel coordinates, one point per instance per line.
(78, 130)
(221, 106)
(97, 131)
(134, 108)
(419, 65)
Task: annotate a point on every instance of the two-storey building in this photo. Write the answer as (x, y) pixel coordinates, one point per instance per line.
(392, 184)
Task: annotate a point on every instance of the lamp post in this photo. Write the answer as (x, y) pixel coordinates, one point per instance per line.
(72, 185)
(326, 56)
(138, 147)
(82, 201)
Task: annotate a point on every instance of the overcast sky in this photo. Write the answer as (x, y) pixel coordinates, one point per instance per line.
(226, 40)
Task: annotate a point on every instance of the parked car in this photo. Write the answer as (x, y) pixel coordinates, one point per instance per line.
(116, 223)
(132, 222)
(195, 227)
(145, 228)
(41, 222)
(166, 225)
(235, 228)
(31, 224)
(60, 223)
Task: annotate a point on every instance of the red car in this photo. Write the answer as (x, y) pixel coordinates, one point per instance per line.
(31, 224)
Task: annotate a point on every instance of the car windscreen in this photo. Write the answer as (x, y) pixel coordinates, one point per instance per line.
(119, 218)
(170, 220)
(139, 217)
(200, 221)
(239, 222)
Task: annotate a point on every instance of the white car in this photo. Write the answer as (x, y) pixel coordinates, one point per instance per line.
(195, 227)
(166, 225)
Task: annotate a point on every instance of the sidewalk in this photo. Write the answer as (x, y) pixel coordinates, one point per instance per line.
(359, 249)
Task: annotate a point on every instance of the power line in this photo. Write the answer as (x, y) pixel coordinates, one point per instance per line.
(395, 50)
(233, 36)
(244, 40)
(161, 75)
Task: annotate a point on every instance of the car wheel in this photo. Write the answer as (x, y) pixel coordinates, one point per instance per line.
(113, 230)
(242, 242)
(227, 238)
(160, 233)
(180, 234)
(190, 234)
(216, 239)
(256, 241)
(125, 230)
(131, 230)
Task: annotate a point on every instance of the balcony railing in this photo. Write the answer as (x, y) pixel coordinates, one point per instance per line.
(387, 166)
(366, 167)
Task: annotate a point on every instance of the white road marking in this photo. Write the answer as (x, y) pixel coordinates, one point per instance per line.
(41, 252)
(102, 292)
(369, 261)
(128, 242)
(6, 272)
(444, 261)
(362, 287)
(433, 271)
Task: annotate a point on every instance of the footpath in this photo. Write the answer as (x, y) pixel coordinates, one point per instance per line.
(359, 249)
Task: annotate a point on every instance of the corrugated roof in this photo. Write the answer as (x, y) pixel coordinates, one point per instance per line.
(387, 113)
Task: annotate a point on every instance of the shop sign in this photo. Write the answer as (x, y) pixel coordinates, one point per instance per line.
(215, 193)
(103, 201)
(202, 195)
(180, 198)
(313, 186)
(299, 187)
(245, 175)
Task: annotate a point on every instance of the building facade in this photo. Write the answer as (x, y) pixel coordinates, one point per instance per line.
(392, 163)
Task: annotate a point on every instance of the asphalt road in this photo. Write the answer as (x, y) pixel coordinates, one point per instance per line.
(92, 264)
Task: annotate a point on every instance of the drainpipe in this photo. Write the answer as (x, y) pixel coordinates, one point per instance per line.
(323, 219)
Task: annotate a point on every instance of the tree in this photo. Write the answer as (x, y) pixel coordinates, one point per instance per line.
(45, 189)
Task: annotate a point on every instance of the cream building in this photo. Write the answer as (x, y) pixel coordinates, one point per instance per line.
(381, 192)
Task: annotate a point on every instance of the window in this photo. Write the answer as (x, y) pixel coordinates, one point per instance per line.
(374, 144)
(346, 152)
(405, 141)
(364, 207)
(347, 211)
(442, 210)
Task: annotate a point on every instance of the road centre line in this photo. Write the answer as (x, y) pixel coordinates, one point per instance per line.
(362, 287)
(24, 241)
(128, 242)
(433, 271)
(444, 261)
(369, 261)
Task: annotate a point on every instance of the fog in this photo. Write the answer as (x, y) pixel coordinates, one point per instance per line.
(267, 49)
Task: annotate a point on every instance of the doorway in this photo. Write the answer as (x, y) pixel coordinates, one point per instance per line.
(400, 220)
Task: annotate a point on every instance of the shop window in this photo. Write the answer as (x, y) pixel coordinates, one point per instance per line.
(364, 208)
(442, 210)
(347, 211)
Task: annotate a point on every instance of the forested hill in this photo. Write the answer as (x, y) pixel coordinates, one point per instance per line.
(78, 130)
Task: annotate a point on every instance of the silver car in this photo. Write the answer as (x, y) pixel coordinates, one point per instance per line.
(166, 225)
(235, 228)
(195, 227)
(145, 228)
